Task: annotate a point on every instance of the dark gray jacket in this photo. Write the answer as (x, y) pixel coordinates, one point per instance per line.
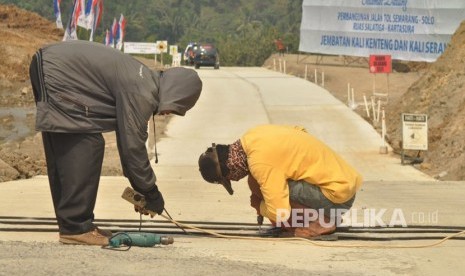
(92, 88)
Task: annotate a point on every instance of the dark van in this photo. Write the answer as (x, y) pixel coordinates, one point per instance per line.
(206, 55)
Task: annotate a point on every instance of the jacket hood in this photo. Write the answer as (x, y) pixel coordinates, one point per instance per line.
(179, 90)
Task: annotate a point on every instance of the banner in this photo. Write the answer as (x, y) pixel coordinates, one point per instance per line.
(140, 48)
(414, 30)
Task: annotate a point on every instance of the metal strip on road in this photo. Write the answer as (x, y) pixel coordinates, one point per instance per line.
(420, 232)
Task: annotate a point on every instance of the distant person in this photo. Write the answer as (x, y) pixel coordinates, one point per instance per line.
(83, 89)
(280, 47)
(286, 168)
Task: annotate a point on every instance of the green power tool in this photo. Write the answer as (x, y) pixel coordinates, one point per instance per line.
(141, 239)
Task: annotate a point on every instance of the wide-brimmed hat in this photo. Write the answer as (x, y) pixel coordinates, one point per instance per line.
(209, 166)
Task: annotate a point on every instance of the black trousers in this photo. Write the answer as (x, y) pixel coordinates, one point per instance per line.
(74, 163)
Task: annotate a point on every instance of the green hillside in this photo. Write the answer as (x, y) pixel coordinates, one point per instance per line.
(243, 30)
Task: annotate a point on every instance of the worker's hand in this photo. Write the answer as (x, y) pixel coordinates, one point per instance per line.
(256, 196)
(255, 202)
(154, 202)
(254, 187)
(143, 211)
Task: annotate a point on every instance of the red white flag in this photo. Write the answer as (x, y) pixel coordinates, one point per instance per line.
(97, 11)
(107, 38)
(70, 32)
(121, 29)
(114, 32)
(81, 19)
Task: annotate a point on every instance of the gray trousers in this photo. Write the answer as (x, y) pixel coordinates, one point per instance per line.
(74, 163)
(311, 196)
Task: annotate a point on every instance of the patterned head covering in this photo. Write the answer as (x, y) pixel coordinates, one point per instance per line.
(237, 162)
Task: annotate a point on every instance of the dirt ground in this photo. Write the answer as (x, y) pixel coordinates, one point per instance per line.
(434, 89)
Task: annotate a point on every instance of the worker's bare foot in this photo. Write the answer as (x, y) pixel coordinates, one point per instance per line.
(287, 233)
(314, 229)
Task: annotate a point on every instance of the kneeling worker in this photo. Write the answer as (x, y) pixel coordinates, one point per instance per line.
(286, 168)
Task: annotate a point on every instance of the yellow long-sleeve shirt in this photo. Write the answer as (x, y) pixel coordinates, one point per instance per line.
(276, 154)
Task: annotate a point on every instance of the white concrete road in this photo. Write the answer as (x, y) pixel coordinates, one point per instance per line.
(233, 100)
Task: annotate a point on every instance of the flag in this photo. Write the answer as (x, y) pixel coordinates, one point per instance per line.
(56, 10)
(113, 32)
(107, 38)
(70, 32)
(97, 11)
(89, 14)
(81, 18)
(122, 25)
(110, 39)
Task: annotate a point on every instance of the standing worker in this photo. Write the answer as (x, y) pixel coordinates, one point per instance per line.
(83, 89)
(286, 168)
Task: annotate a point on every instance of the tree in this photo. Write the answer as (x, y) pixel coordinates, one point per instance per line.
(243, 30)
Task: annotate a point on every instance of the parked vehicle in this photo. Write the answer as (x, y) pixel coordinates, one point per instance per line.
(206, 55)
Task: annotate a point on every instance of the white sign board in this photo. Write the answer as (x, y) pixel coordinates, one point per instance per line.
(415, 30)
(173, 50)
(140, 48)
(414, 131)
(162, 46)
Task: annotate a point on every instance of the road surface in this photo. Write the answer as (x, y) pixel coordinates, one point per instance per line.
(233, 100)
